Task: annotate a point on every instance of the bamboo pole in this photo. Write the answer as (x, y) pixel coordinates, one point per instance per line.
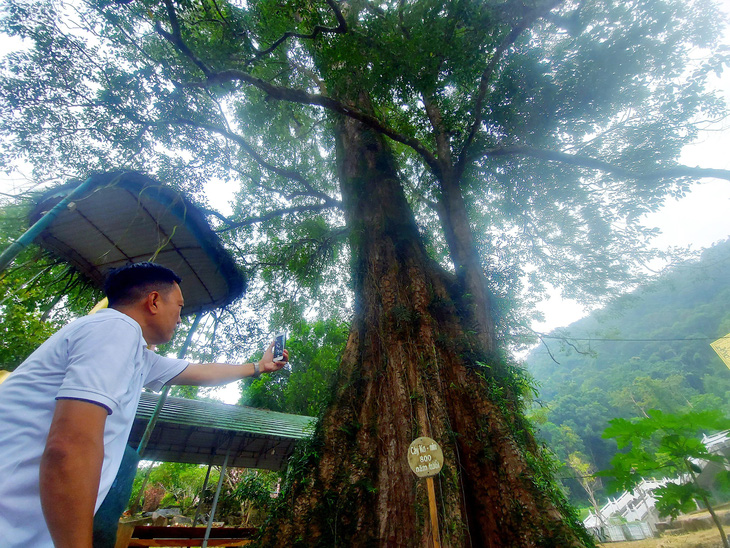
(163, 396)
(215, 499)
(434, 513)
(40, 225)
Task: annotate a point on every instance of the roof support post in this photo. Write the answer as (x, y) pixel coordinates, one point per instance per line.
(215, 499)
(29, 235)
(165, 391)
(205, 486)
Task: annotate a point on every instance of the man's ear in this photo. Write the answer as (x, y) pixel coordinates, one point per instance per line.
(153, 301)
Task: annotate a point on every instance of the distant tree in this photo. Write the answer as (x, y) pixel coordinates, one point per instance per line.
(668, 394)
(172, 484)
(585, 472)
(38, 294)
(306, 385)
(22, 331)
(666, 445)
(565, 443)
(583, 414)
(248, 495)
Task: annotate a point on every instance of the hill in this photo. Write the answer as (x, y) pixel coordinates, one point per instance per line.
(649, 350)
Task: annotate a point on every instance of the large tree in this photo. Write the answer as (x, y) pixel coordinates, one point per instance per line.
(455, 148)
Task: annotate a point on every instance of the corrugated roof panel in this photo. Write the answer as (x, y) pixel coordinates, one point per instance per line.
(194, 431)
(128, 217)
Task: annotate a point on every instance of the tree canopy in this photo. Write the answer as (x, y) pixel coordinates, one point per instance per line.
(559, 122)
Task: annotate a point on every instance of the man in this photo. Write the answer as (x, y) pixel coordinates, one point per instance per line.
(66, 412)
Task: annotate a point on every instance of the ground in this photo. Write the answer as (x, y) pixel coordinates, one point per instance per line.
(707, 537)
(695, 539)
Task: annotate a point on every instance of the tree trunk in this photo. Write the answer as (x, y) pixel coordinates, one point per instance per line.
(462, 248)
(459, 237)
(709, 507)
(412, 368)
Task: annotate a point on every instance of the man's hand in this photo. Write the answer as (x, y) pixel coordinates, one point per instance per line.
(267, 363)
(215, 374)
(70, 471)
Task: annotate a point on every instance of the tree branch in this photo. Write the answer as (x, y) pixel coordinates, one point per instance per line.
(282, 93)
(341, 28)
(217, 214)
(226, 133)
(177, 40)
(220, 14)
(274, 214)
(507, 41)
(552, 357)
(401, 20)
(443, 146)
(600, 165)
(286, 173)
(288, 94)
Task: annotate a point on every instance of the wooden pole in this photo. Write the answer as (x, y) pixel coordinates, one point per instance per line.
(434, 514)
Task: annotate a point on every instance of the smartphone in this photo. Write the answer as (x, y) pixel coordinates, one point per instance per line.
(279, 342)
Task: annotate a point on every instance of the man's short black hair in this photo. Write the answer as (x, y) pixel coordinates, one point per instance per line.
(128, 284)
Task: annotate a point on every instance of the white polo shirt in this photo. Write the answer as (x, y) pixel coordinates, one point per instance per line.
(102, 359)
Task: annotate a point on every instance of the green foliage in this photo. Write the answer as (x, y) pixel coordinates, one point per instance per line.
(722, 480)
(673, 499)
(663, 445)
(182, 483)
(305, 386)
(38, 294)
(254, 487)
(243, 490)
(22, 331)
(115, 86)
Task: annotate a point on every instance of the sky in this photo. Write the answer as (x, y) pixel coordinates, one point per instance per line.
(698, 220)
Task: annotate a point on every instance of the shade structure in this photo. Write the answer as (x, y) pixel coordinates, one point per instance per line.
(127, 217)
(202, 432)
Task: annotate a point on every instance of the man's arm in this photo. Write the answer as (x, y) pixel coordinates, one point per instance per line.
(70, 471)
(214, 374)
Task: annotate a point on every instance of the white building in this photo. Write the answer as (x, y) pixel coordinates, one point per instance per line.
(633, 515)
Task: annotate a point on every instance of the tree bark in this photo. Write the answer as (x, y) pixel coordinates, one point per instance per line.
(457, 231)
(411, 368)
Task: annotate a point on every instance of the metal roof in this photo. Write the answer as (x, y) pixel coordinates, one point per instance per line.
(126, 217)
(201, 432)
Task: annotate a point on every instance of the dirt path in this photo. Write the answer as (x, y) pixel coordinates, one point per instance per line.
(705, 538)
(697, 539)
